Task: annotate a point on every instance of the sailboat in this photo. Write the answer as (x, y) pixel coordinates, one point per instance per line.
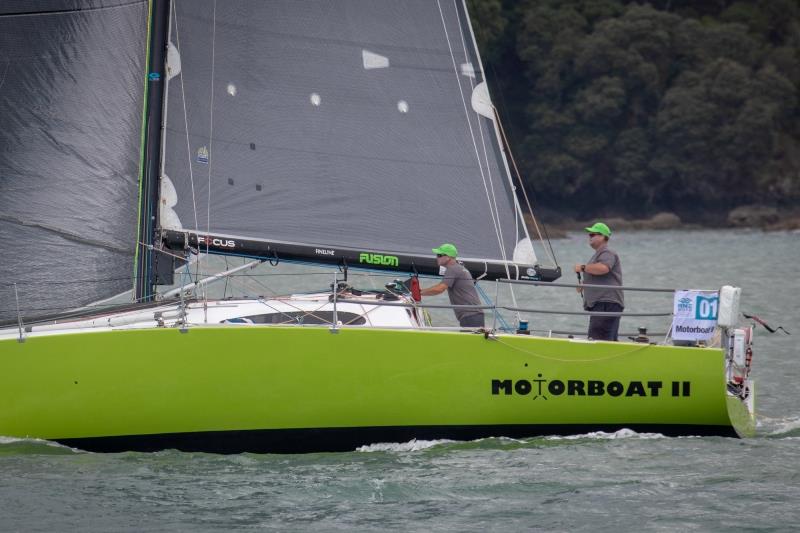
(354, 134)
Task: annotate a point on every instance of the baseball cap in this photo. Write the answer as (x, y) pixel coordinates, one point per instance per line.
(600, 228)
(446, 249)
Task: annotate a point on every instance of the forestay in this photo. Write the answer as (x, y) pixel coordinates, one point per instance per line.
(335, 124)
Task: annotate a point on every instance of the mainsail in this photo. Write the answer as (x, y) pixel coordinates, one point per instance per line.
(71, 86)
(324, 129)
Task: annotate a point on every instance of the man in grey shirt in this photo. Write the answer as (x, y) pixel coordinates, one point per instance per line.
(459, 286)
(604, 268)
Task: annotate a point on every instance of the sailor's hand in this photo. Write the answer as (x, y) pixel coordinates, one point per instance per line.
(578, 268)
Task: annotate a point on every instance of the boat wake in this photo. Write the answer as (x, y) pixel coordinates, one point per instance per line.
(781, 427)
(418, 445)
(602, 435)
(413, 445)
(17, 445)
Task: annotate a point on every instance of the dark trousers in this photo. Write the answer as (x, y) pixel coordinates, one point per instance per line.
(472, 321)
(604, 328)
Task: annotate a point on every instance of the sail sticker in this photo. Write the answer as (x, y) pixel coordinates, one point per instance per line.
(694, 315)
(316, 99)
(402, 106)
(542, 387)
(467, 70)
(371, 60)
(154, 76)
(202, 155)
(173, 61)
(208, 240)
(378, 259)
(524, 254)
(481, 102)
(169, 199)
(232, 89)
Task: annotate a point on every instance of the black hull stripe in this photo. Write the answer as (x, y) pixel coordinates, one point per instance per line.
(348, 439)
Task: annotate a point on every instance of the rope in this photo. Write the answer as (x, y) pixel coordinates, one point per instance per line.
(546, 358)
(503, 324)
(185, 119)
(495, 217)
(486, 157)
(483, 141)
(549, 248)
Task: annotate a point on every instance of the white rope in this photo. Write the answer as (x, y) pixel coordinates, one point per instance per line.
(483, 144)
(488, 167)
(494, 215)
(547, 249)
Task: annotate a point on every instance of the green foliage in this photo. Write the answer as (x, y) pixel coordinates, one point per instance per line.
(620, 105)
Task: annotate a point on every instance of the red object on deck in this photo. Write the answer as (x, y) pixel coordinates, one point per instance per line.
(415, 291)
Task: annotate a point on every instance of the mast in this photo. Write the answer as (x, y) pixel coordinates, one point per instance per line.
(158, 30)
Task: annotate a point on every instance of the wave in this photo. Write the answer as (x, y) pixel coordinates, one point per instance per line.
(602, 435)
(14, 445)
(781, 427)
(413, 445)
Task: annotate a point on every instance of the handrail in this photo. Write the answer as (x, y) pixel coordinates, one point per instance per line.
(587, 285)
(580, 313)
(505, 308)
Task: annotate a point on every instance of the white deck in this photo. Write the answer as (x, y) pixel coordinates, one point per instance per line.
(303, 310)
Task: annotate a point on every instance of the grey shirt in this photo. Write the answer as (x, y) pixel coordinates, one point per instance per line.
(461, 290)
(609, 258)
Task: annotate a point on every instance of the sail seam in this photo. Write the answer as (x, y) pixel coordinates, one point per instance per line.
(70, 11)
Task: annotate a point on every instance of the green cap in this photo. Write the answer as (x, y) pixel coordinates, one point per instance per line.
(446, 249)
(600, 228)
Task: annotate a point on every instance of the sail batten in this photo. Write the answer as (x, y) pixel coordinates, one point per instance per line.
(347, 124)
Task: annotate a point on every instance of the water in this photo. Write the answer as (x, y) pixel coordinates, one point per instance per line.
(607, 482)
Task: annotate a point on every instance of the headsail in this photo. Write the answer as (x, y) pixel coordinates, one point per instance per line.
(334, 131)
(71, 84)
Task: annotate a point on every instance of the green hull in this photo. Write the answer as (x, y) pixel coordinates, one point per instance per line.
(232, 389)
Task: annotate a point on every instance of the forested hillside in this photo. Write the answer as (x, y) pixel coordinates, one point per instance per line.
(626, 107)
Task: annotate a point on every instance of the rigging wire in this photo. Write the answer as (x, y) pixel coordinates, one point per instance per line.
(185, 118)
(524, 193)
(211, 130)
(498, 225)
(495, 216)
(483, 142)
(503, 324)
(546, 239)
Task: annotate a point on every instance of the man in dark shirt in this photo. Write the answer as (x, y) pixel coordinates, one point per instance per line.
(459, 286)
(604, 268)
